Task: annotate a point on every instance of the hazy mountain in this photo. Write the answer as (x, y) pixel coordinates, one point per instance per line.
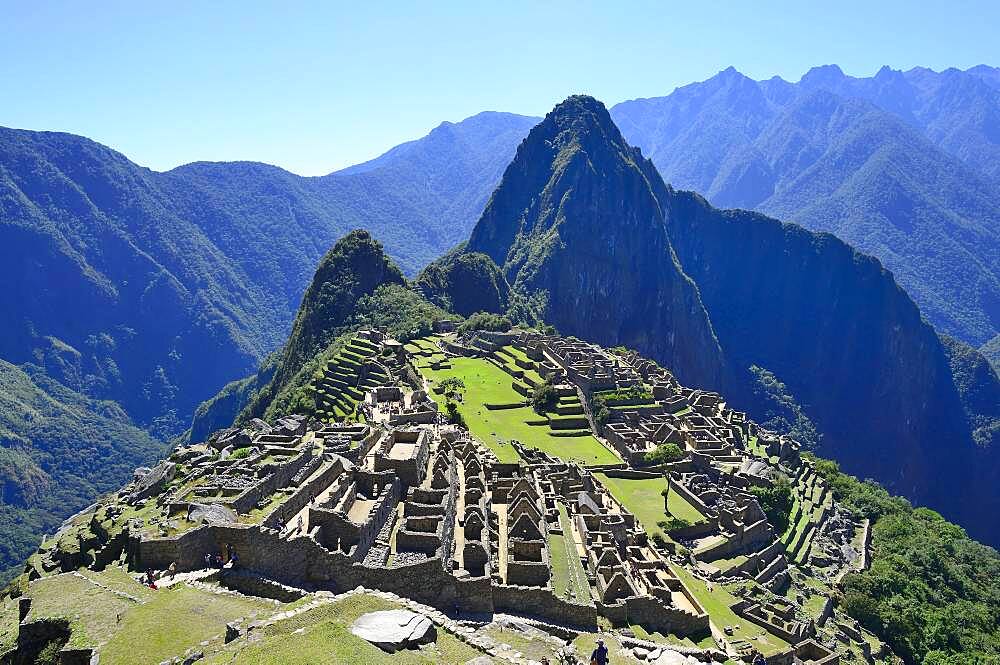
(869, 160)
(58, 450)
(155, 289)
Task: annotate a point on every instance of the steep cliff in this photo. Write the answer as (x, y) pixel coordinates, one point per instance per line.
(848, 342)
(578, 231)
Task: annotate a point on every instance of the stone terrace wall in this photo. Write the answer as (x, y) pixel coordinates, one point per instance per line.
(533, 601)
(301, 561)
(654, 616)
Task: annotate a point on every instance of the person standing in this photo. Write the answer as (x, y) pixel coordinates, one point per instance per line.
(600, 654)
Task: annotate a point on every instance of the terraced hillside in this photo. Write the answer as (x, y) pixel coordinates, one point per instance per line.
(346, 377)
(495, 405)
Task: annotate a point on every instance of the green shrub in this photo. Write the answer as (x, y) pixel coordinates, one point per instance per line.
(776, 502)
(485, 321)
(240, 453)
(454, 415)
(664, 453)
(626, 394)
(545, 398)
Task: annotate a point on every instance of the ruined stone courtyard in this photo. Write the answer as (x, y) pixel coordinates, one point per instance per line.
(517, 529)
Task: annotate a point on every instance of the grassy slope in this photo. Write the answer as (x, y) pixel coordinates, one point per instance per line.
(643, 499)
(325, 637)
(488, 384)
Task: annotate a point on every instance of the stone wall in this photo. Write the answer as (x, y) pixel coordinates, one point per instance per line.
(539, 602)
(654, 616)
(302, 496)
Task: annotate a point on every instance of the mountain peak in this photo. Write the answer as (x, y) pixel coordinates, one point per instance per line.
(823, 75)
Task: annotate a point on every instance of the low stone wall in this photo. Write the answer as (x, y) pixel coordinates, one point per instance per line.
(302, 496)
(632, 474)
(254, 585)
(654, 616)
(301, 561)
(539, 602)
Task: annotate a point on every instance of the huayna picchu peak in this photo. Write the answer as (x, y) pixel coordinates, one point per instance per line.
(708, 377)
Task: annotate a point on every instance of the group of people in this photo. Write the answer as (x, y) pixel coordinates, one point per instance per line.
(216, 560)
(599, 656)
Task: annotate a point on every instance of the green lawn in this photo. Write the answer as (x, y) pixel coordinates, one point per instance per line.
(643, 499)
(488, 384)
(91, 611)
(568, 574)
(173, 620)
(322, 635)
(717, 603)
(8, 625)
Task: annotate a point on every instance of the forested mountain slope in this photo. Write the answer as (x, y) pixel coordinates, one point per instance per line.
(58, 450)
(155, 289)
(901, 166)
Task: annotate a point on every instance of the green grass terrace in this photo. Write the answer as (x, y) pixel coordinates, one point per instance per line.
(642, 497)
(510, 418)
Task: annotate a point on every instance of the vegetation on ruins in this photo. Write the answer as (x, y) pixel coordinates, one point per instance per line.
(932, 593)
(779, 410)
(664, 453)
(599, 407)
(454, 415)
(452, 387)
(544, 398)
(487, 321)
(631, 394)
(776, 502)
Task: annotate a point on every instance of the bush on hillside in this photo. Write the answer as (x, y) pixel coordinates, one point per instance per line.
(545, 398)
(485, 321)
(776, 502)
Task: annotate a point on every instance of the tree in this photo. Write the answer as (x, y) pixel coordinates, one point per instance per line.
(452, 387)
(776, 502)
(545, 398)
(454, 415)
(664, 453)
(601, 412)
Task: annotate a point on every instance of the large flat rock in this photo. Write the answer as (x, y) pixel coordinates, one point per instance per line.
(392, 630)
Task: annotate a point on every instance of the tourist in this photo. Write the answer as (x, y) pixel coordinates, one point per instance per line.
(600, 654)
(150, 582)
(229, 551)
(758, 659)
(208, 559)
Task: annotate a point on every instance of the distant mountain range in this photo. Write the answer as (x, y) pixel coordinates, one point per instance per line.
(154, 290)
(904, 166)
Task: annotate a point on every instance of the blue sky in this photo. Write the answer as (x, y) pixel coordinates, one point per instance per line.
(313, 87)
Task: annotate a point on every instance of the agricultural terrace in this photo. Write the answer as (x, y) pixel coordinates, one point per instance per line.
(642, 497)
(489, 386)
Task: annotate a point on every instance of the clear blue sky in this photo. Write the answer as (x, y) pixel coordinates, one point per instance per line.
(317, 86)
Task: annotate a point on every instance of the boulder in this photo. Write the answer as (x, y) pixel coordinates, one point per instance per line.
(213, 513)
(392, 630)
